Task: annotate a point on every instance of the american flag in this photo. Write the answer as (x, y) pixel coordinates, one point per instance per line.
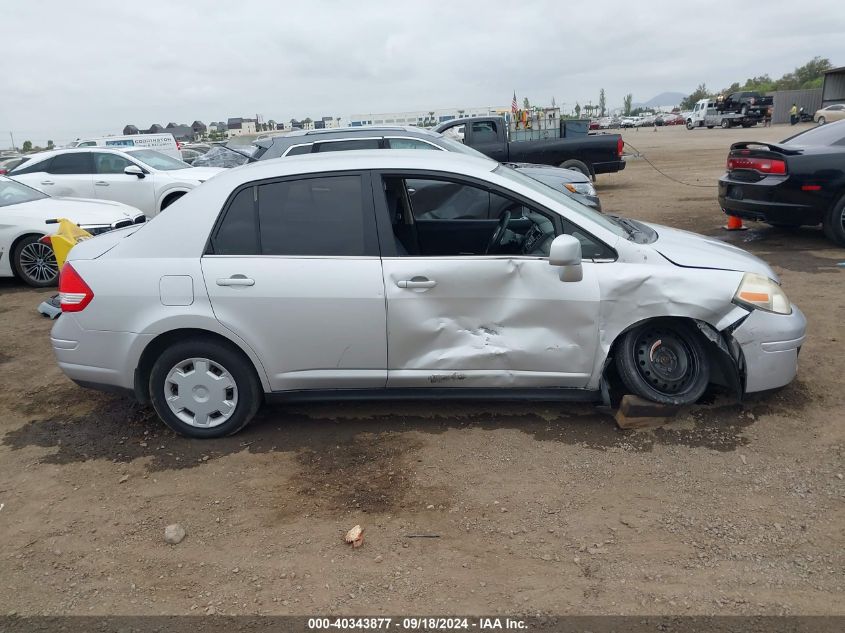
(514, 107)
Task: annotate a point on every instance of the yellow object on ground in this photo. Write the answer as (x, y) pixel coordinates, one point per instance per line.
(65, 239)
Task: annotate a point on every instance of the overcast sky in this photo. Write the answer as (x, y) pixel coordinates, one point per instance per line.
(89, 67)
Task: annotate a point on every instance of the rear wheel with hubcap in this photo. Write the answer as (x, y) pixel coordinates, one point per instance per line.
(664, 361)
(726, 124)
(35, 262)
(204, 388)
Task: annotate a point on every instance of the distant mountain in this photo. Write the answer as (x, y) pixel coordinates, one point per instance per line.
(663, 99)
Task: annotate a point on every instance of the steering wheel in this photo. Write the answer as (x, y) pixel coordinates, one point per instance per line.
(499, 233)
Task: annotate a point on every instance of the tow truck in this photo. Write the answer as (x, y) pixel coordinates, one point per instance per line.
(706, 113)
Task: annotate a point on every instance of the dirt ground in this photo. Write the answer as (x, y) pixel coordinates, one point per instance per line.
(528, 509)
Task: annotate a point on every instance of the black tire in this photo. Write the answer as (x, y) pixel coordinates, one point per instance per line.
(170, 200)
(821, 120)
(690, 125)
(834, 223)
(34, 262)
(726, 123)
(248, 392)
(577, 165)
(664, 361)
(709, 127)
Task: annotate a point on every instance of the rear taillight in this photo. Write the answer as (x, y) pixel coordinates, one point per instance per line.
(74, 293)
(620, 146)
(761, 165)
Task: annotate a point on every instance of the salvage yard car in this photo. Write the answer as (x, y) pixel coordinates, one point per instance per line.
(24, 212)
(327, 277)
(143, 178)
(797, 182)
(569, 181)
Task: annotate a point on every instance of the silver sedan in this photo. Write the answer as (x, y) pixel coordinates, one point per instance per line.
(388, 274)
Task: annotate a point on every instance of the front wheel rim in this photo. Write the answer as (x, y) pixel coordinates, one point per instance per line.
(666, 361)
(201, 393)
(38, 262)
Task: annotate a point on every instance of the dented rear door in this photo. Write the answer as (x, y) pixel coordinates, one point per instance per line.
(487, 321)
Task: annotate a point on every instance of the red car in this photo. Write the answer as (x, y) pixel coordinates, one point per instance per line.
(594, 124)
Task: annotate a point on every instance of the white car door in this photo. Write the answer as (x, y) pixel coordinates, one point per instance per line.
(460, 318)
(69, 175)
(111, 183)
(306, 291)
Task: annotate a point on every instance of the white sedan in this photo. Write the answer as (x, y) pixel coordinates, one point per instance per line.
(24, 212)
(143, 178)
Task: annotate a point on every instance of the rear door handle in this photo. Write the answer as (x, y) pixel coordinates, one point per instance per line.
(101, 183)
(236, 280)
(416, 282)
(47, 182)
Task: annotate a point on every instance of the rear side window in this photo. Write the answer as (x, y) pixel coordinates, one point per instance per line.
(72, 163)
(327, 216)
(342, 146)
(299, 149)
(238, 231)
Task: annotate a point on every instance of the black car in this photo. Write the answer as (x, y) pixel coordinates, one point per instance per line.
(800, 181)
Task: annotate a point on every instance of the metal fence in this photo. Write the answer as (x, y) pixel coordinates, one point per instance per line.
(810, 100)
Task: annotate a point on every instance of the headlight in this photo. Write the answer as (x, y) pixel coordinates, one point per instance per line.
(584, 188)
(757, 291)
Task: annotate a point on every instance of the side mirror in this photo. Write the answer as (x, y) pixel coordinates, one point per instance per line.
(134, 170)
(566, 253)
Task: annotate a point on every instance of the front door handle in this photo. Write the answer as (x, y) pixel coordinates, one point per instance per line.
(236, 280)
(101, 183)
(416, 282)
(47, 182)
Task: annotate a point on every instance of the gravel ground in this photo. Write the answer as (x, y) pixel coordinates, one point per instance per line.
(550, 509)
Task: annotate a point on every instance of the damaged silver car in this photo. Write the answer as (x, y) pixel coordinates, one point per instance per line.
(410, 274)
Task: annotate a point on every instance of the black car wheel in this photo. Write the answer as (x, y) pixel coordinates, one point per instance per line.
(664, 361)
(203, 388)
(834, 223)
(726, 124)
(577, 165)
(35, 262)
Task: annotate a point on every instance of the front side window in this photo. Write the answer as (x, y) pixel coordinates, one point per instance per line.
(408, 143)
(484, 131)
(109, 163)
(327, 216)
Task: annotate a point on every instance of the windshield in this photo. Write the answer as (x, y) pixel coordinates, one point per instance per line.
(452, 145)
(157, 160)
(13, 192)
(830, 134)
(604, 221)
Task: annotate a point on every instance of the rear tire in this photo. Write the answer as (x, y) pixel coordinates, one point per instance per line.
(834, 223)
(577, 165)
(726, 124)
(664, 361)
(203, 388)
(34, 262)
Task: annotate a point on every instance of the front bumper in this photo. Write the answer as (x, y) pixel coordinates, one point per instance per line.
(770, 344)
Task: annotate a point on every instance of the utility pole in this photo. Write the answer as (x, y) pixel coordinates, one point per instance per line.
(13, 140)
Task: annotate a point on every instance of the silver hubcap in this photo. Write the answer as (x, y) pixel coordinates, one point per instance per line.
(38, 262)
(201, 392)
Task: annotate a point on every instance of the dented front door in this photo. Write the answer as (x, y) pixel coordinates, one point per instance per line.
(488, 322)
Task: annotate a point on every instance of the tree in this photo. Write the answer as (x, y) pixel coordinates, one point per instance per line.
(602, 102)
(626, 104)
(50, 145)
(698, 94)
(27, 146)
(577, 110)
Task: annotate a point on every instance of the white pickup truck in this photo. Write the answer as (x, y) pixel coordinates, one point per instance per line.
(706, 114)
